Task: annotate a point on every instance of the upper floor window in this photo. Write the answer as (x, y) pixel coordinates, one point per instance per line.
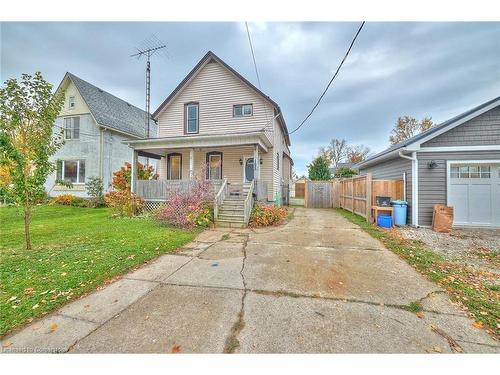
(191, 118)
(71, 102)
(72, 128)
(278, 161)
(242, 110)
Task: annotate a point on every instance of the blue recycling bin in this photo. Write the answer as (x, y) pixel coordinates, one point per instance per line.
(400, 208)
(384, 221)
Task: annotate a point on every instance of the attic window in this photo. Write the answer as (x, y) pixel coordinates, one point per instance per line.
(242, 110)
(71, 102)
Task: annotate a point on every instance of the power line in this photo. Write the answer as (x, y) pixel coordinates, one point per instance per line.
(329, 83)
(253, 55)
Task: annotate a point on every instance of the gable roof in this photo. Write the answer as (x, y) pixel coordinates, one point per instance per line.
(434, 131)
(206, 59)
(110, 111)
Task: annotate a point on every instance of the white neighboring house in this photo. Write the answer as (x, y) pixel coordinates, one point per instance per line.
(95, 123)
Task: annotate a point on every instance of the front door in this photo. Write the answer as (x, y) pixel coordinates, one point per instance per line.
(249, 170)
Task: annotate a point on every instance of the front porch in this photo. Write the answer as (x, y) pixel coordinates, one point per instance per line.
(239, 170)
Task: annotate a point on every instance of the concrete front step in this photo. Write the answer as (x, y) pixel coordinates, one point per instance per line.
(232, 218)
(229, 224)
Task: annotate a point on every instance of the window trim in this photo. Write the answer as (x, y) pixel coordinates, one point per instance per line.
(72, 122)
(168, 165)
(63, 168)
(242, 110)
(186, 105)
(219, 153)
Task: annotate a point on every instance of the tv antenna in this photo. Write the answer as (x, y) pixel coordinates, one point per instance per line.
(151, 46)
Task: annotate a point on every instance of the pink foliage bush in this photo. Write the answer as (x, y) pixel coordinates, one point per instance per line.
(184, 209)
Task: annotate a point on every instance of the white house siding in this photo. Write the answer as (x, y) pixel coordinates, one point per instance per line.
(217, 90)
(85, 148)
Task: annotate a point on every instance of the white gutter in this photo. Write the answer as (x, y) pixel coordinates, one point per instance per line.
(414, 185)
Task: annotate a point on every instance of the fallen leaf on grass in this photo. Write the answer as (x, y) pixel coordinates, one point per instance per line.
(478, 325)
(53, 327)
(176, 348)
(29, 291)
(35, 306)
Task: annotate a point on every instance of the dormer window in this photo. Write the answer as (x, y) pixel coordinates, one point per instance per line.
(191, 118)
(71, 102)
(242, 110)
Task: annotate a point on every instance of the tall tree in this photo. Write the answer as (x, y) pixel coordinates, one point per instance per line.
(28, 109)
(335, 152)
(319, 170)
(357, 154)
(406, 127)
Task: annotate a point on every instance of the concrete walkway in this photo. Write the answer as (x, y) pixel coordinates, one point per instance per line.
(317, 284)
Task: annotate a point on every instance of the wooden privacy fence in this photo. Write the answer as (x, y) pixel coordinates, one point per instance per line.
(300, 188)
(356, 194)
(318, 194)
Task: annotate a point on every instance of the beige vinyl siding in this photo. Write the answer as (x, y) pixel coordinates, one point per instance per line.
(80, 105)
(216, 90)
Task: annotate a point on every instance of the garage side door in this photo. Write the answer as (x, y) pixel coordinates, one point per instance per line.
(474, 193)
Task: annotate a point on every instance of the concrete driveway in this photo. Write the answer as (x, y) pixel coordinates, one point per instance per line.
(316, 285)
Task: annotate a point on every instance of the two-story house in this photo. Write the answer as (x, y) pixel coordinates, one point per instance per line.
(217, 120)
(95, 125)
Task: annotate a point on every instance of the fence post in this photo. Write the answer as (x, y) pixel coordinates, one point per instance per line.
(368, 201)
(305, 193)
(352, 194)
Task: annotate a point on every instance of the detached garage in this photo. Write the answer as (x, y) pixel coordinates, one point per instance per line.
(456, 163)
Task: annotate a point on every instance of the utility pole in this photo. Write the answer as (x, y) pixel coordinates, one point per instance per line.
(148, 53)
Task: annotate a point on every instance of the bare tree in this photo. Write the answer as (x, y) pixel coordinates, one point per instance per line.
(335, 152)
(358, 153)
(406, 127)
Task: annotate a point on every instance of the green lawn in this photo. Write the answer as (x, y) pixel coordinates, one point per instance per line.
(467, 286)
(74, 251)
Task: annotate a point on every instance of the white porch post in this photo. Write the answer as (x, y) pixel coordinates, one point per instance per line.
(133, 174)
(191, 163)
(256, 162)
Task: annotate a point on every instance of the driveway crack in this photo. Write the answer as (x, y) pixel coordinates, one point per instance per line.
(232, 342)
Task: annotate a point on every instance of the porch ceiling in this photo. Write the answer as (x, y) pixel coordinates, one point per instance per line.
(159, 146)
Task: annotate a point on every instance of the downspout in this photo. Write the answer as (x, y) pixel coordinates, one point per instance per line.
(414, 185)
(101, 153)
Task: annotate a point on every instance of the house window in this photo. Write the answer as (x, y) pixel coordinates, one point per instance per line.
(242, 110)
(191, 118)
(278, 161)
(214, 165)
(71, 171)
(72, 128)
(174, 166)
(71, 102)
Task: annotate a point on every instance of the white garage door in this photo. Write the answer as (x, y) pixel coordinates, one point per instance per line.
(474, 193)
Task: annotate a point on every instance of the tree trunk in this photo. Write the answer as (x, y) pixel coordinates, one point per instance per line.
(27, 222)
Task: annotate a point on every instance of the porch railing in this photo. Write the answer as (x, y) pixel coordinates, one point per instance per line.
(161, 190)
(249, 202)
(219, 197)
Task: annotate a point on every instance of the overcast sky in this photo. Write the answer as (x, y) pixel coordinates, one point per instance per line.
(395, 69)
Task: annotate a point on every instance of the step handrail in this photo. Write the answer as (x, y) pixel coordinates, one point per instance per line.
(219, 198)
(249, 202)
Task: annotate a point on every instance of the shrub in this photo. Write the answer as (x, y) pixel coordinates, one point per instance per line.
(69, 200)
(189, 209)
(124, 203)
(121, 178)
(95, 190)
(266, 215)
